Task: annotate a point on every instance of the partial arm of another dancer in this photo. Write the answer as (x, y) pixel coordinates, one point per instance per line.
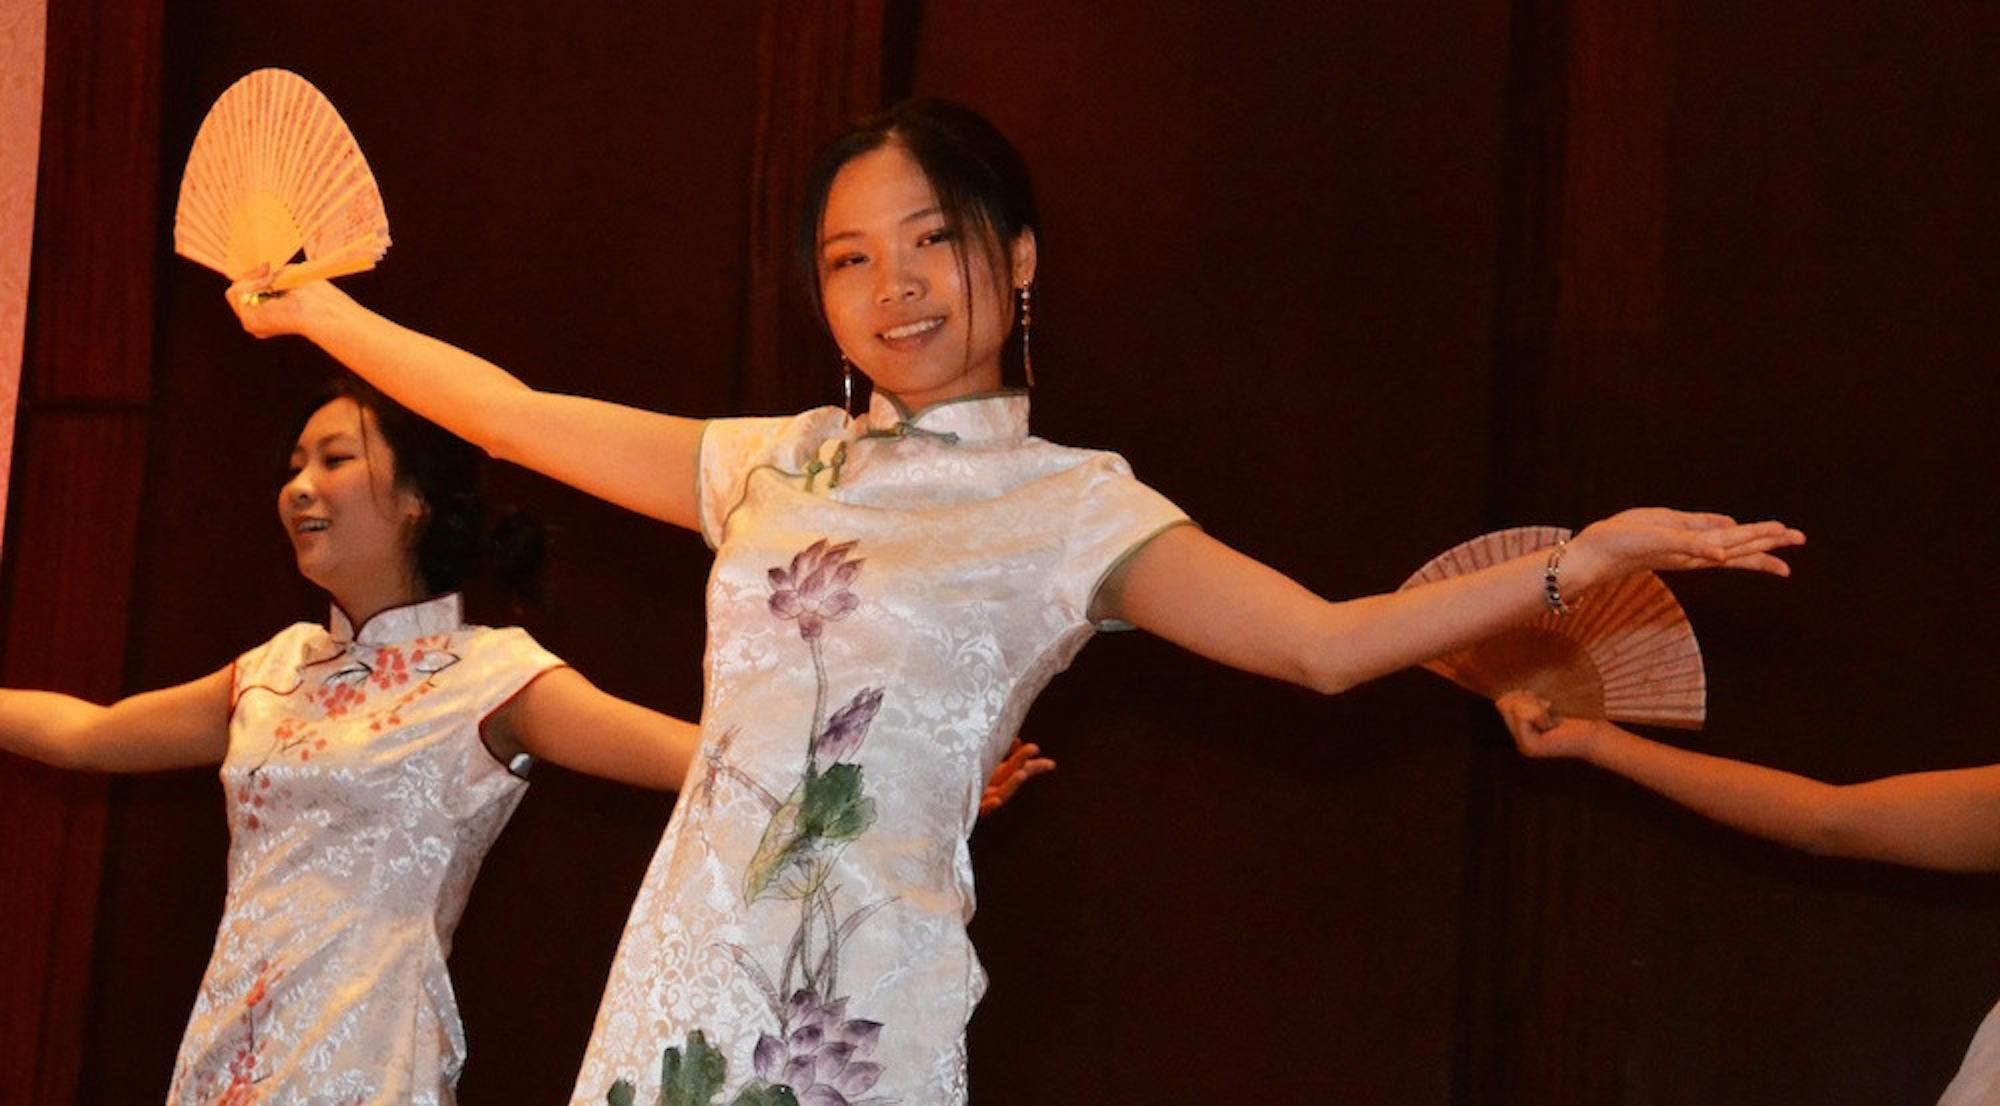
(1947, 820)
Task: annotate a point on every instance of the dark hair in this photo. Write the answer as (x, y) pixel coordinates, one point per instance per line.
(454, 544)
(978, 176)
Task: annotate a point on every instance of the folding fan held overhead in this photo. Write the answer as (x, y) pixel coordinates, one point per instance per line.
(1625, 651)
(275, 171)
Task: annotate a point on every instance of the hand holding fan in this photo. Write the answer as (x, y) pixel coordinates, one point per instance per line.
(275, 171)
(1625, 652)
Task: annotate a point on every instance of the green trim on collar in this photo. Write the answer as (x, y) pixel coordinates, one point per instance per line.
(903, 409)
(993, 415)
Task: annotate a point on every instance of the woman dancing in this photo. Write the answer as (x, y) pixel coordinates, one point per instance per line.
(368, 765)
(1948, 821)
(890, 593)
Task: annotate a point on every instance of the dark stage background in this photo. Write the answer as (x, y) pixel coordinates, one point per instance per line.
(1351, 282)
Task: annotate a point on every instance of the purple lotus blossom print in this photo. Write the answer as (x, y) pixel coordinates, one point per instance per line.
(848, 726)
(815, 1055)
(812, 590)
(820, 1052)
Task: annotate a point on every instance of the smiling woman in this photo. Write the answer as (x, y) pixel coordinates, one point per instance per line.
(891, 592)
(367, 764)
(920, 249)
(342, 470)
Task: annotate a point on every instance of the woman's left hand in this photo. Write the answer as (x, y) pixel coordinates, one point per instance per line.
(1660, 539)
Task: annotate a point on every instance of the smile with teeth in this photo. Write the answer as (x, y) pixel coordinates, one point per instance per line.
(911, 330)
(311, 525)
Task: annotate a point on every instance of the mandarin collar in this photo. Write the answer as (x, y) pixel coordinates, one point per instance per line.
(997, 416)
(437, 615)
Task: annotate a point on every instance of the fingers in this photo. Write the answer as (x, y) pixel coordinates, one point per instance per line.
(1019, 753)
(1525, 712)
(248, 296)
(1754, 552)
(1738, 545)
(1760, 562)
(1773, 532)
(998, 792)
(1023, 763)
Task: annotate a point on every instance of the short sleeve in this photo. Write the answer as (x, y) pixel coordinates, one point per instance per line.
(500, 662)
(498, 665)
(1115, 516)
(732, 449)
(274, 665)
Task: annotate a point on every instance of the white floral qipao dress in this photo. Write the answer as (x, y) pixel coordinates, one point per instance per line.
(888, 597)
(361, 801)
(1978, 1080)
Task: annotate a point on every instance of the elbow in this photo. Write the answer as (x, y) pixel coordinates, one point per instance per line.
(1829, 827)
(1322, 673)
(67, 750)
(1317, 659)
(502, 427)
(492, 437)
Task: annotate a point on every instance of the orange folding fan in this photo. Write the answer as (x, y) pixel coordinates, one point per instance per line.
(275, 172)
(1625, 651)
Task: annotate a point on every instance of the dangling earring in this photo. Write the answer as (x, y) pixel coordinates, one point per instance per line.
(1027, 326)
(846, 384)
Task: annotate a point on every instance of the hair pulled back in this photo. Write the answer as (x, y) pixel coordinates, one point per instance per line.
(978, 176)
(455, 544)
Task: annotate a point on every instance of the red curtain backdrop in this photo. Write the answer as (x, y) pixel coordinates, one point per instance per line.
(1351, 282)
(818, 66)
(80, 463)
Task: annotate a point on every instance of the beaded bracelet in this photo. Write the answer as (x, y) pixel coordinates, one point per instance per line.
(1551, 579)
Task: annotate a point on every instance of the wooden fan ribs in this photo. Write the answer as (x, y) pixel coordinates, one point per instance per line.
(1625, 651)
(273, 172)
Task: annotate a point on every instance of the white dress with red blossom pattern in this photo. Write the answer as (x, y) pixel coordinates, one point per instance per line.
(1978, 1080)
(889, 596)
(361, 801)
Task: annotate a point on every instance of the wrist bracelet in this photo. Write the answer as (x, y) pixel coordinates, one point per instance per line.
(1551, 579)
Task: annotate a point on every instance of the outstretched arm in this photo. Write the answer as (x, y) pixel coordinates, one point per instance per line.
(638, 459)
(1204, 596)
(564, 718)
(1943, 820)
(176, 727)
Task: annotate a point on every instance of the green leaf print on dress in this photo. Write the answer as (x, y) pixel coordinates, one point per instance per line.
(815, 1055)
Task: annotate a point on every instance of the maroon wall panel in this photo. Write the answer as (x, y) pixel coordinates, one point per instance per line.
(1266, 277)
(1745, 249)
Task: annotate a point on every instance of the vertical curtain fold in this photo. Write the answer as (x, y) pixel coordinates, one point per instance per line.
(819, 65)
(1549, 992)
(68, 573)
